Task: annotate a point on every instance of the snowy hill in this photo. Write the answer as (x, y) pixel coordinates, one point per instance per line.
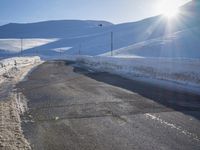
(50, 29)
(182, 44)
(42, 33)
(177, 39)
(94, 37)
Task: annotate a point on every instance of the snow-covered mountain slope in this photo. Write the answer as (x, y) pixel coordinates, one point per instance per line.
(182, 44)
(177, 38)
(94, 37)
(51, 29)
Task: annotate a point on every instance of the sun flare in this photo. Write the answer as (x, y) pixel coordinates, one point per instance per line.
(171, 13)
(168, 9)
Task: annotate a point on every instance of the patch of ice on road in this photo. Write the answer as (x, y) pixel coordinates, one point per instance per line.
(173, 126)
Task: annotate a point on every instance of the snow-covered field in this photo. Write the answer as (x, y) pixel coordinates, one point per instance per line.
(181, 71)
(14, 45)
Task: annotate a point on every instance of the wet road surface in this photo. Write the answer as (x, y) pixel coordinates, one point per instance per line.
(71, 108)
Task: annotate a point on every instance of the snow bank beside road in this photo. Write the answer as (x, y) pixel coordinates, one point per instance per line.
(7, 64)
(12, 66)
(182, 71)
(12, 102)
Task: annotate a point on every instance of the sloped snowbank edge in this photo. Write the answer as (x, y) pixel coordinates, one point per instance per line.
(185, 72)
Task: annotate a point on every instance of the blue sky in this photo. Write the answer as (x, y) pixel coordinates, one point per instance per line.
(116, 11)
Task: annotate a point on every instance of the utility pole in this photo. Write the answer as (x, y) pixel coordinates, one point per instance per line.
(79, 51)
(111, 44)
(21, 45)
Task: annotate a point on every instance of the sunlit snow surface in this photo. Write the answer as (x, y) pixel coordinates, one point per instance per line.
(155, 37)
(62, 49)
(166, 71)
(14, 45)
(181, 44)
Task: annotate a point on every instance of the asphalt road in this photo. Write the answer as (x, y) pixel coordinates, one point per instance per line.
(71, 108)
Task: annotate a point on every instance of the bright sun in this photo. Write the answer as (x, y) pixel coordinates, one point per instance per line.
(168, 8)
(170, 13)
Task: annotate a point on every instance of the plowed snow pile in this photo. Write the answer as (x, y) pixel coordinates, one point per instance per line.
(12, 103)
(183, 72)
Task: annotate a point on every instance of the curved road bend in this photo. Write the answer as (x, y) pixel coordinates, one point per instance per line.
(71, 108)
